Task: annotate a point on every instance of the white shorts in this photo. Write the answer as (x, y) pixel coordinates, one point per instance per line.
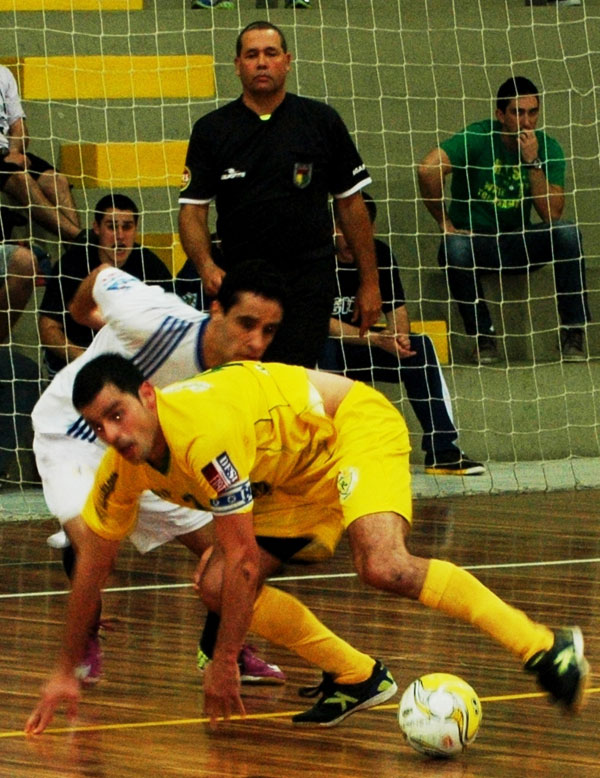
(67, 468)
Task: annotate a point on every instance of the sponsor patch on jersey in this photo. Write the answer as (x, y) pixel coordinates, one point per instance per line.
(120, 281)
(233, 499)
(302, 174)
(346, 482)
(220, 473)
(186, 178)
(231, 173)
(358, 170)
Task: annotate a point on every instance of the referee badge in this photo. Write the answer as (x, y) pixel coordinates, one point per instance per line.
(302, 174)
(186, 177)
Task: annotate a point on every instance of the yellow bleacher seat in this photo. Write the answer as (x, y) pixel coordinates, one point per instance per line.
(438, 332)
(71, 5)
(167, 246)
(118, 165)
(113, 76)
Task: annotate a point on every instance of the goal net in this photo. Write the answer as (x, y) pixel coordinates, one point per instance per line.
(111, 89)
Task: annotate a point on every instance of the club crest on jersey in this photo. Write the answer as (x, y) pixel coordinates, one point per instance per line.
(220, 473)
(186, 177)
(346, 482)
(302, 174)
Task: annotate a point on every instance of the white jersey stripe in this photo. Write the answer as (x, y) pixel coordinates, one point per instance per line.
(153, 354)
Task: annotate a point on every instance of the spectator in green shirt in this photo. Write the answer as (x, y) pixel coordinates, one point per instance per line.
(501, 170)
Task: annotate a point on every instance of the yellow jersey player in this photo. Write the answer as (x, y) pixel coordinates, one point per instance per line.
(296, 456)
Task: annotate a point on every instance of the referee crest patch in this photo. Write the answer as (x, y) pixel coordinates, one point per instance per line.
(302, 174)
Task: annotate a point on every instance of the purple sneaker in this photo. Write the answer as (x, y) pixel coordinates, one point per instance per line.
(255, 670)
(90, 670)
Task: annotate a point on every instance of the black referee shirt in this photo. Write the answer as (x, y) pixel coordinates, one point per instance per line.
(271, 179)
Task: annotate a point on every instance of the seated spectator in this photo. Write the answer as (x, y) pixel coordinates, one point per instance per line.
(112, 239)
(500, 169)
(19, 375)
(28, 179)
(392, 355)
(188, 285)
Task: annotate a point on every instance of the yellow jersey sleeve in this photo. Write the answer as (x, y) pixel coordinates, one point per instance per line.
(215, 438)
(112, 505)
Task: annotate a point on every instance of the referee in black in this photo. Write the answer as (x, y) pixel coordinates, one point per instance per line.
(270, 160)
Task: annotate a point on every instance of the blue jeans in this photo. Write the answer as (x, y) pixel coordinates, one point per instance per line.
(20, 387)
(467, 257)
(422, 378)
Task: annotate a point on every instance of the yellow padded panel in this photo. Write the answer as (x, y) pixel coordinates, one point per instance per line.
(113, 77)
(71, 5)
(118, 165)
(167, 246)
(438, 332)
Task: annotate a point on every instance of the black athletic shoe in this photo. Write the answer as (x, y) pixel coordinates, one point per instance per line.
(562, 670)
(340, 700)
(457, 465)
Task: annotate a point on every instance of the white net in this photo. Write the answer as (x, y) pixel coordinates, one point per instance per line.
(111, 89)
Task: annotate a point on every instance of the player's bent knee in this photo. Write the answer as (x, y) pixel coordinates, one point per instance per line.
(391, 574)
(22, 263)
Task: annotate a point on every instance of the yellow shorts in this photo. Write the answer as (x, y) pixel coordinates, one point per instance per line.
(366, 472)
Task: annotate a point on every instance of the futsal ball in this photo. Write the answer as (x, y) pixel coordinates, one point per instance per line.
(439, 714)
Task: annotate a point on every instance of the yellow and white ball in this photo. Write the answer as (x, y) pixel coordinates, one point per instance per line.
(439, 714)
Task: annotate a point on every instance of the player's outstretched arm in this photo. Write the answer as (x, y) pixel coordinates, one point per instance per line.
(236, 562)
(83, 307)
(95, 558)
(61, 687)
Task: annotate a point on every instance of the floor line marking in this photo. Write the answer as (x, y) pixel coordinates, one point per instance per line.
(313, 577)
(248, 717)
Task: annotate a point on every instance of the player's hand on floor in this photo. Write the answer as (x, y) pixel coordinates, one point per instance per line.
(222, 691)
(60, 688)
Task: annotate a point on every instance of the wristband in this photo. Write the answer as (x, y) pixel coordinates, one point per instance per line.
(536, 164)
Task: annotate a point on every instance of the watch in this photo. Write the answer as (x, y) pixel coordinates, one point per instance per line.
(535, 163)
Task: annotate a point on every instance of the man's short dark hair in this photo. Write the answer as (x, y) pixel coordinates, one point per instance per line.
(260, 25)
(105, 369)
(256, 276)
(118, 202)
(518, 86)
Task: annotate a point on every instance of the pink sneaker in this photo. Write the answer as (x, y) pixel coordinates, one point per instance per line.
(90, 670)
(255, 670)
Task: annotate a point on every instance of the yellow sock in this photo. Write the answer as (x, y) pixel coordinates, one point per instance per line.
(454, 591)
(285, 621)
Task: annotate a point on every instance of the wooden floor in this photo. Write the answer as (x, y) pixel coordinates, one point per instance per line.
(540, 552)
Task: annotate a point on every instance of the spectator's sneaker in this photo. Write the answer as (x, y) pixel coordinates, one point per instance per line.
(90, 670)
(297, 4)
(254, 670)
(58, 540)
(562, 670)
(341, 700)
(454, 464)
(486, 351)
(213, 4)
(572, 347)
(202, 660)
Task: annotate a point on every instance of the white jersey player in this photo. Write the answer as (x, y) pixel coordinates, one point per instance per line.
(168, 340)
